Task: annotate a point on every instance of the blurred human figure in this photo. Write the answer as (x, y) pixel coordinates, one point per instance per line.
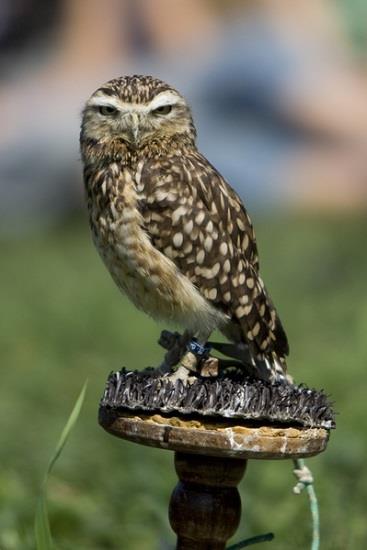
(292, 104)
(275, 80)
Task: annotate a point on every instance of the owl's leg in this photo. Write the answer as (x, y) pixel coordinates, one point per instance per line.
(208, 366)
(176, 345)
(186, 369)
(197, 352)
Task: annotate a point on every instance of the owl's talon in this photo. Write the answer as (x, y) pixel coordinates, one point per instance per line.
(209, 367)
(189, 361)
(183, 374)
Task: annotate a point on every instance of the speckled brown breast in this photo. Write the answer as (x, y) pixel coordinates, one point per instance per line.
(178, 240)
(149, 278)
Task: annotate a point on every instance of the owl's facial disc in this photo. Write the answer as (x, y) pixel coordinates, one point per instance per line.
(136, 123)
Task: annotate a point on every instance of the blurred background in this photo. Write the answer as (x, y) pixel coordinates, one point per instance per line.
(278, 90)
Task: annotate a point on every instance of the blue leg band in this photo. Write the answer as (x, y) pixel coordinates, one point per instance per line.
(198, 349)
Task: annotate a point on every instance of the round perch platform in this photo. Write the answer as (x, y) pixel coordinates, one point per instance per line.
(217, 438)
(210, 461)
(214, 425)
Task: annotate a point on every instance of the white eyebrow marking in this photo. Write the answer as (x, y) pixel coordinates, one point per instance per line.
(104, 101)
(164, 98)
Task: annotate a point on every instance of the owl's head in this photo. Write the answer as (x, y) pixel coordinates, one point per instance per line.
(136, 109)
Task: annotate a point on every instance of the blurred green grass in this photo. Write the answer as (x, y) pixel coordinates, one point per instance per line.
(64, 321)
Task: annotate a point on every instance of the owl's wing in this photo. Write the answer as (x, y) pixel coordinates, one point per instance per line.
(198, 221)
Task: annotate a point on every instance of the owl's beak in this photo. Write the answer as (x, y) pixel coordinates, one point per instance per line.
(133, 127)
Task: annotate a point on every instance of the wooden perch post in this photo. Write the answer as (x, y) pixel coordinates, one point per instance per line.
(210, 461)
(205, 506)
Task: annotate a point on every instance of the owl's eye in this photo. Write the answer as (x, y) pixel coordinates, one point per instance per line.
(107, 110)
(163, 110)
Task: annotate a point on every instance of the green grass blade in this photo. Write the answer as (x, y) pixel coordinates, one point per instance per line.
(42, 529)
(67, 429)
(41, 526)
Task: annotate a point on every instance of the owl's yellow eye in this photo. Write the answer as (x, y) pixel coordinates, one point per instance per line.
(107, 110)
(163, 110)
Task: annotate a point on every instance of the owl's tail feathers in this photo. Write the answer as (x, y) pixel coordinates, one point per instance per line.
(270, 368)
(281, 346)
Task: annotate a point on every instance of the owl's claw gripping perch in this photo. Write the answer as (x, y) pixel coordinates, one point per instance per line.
(196, 360)
(183, 374)
(190, 361)
(209, 367)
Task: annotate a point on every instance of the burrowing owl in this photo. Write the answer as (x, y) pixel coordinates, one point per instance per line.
(174, 235)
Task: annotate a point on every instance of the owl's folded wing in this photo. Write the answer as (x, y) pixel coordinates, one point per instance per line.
(194, 218)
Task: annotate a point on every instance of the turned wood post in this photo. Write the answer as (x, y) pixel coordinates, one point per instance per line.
(210, 460)
(205, 506)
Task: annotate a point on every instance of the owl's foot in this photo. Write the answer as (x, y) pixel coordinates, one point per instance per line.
(182, 373)
(191, 357)
(209, 368)
(186, 370)
(190, 367)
